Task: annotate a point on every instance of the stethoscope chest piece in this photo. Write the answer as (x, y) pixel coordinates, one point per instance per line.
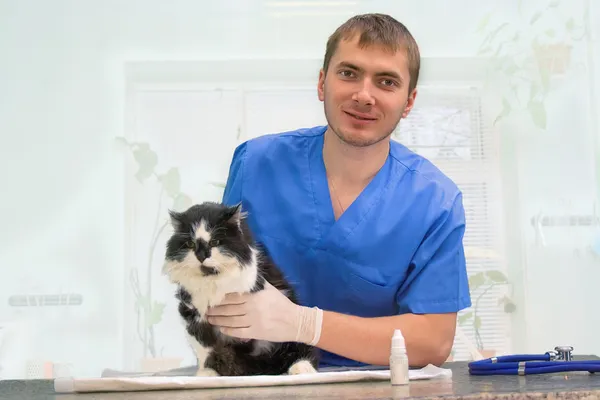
(563, 353)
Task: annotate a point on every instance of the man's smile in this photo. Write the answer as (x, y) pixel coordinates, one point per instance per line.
(359, 116)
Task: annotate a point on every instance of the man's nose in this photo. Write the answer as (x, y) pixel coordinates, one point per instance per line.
(364, 94)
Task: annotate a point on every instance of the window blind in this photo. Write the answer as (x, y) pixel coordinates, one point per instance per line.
(448, 127)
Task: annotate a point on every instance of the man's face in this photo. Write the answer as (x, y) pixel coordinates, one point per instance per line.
(365, 92)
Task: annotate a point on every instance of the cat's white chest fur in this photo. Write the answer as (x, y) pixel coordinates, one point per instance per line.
(210, 291)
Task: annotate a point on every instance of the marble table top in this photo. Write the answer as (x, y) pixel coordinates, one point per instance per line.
(580, 386)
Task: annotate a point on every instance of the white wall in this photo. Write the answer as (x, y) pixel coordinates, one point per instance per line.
(66, 183)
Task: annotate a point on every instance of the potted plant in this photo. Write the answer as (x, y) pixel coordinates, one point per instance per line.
(149, 312)
(485, 280)
(524, 55)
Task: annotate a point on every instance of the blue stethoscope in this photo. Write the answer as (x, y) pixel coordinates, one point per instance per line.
(559, 360)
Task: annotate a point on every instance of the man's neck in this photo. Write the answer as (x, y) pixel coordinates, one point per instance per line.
(349, 165)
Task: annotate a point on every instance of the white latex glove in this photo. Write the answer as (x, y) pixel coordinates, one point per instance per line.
(266, 315)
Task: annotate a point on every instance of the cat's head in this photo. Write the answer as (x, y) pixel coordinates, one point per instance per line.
(209, 240)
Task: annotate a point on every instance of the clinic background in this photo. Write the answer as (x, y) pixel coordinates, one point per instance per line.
(113, 111)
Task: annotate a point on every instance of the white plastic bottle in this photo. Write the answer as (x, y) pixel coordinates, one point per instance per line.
(398, 360)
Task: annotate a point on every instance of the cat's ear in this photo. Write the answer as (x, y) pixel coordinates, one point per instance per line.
(175, 219)
(235, 214)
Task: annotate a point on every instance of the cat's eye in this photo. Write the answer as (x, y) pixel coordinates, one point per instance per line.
(191, 244)
(214, 242)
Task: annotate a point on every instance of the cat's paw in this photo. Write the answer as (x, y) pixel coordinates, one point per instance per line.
(302, 367)
(206, 372)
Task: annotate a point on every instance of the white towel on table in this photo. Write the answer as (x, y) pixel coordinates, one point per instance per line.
(144, 383)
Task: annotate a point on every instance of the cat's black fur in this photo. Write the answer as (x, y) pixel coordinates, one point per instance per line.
(230, 233)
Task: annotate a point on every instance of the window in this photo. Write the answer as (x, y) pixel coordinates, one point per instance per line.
(191, 117)
(446, 126)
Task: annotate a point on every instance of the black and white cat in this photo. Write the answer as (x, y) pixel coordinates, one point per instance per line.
(211, 253)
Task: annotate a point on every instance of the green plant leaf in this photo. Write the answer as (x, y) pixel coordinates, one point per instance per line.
(122, 140)
(465, 317)
(496, 276)
(484, 22)
(147, 160)
(486, 49)
(499, 49)
(509, 307)
(535, 17)
(534, 90)
(182, 202)
(156, 314)
(219, 184)
(537, 111)
(570, 24)
(142, 304)
(171, 182)
(477, 323)
(490, 36)
(475, 281)
(506, 109)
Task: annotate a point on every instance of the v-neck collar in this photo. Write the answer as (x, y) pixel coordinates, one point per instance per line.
(331, 231)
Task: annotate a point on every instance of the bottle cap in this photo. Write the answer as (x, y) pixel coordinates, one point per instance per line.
(398, 340)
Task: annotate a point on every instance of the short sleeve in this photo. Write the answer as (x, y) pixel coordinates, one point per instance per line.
(232, 194)
(437, 281)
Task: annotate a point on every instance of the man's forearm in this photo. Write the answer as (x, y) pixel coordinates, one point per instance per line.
(429, 338)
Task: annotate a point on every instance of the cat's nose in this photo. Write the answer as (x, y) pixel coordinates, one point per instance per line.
(202, 255)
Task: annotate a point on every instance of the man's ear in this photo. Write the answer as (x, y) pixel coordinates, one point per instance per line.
(410, 102)
(321, 85)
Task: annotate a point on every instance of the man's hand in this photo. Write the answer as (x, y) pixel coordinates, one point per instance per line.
(266, 315)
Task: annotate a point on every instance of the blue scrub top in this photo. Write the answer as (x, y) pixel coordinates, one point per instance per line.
(397, 248)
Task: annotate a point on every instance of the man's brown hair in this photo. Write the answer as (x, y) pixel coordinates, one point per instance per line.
(382, 30)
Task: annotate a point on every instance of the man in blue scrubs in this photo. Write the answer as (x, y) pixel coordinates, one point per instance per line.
(369, 233)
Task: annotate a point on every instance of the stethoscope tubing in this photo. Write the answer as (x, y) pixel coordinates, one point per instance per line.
(528, 364)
